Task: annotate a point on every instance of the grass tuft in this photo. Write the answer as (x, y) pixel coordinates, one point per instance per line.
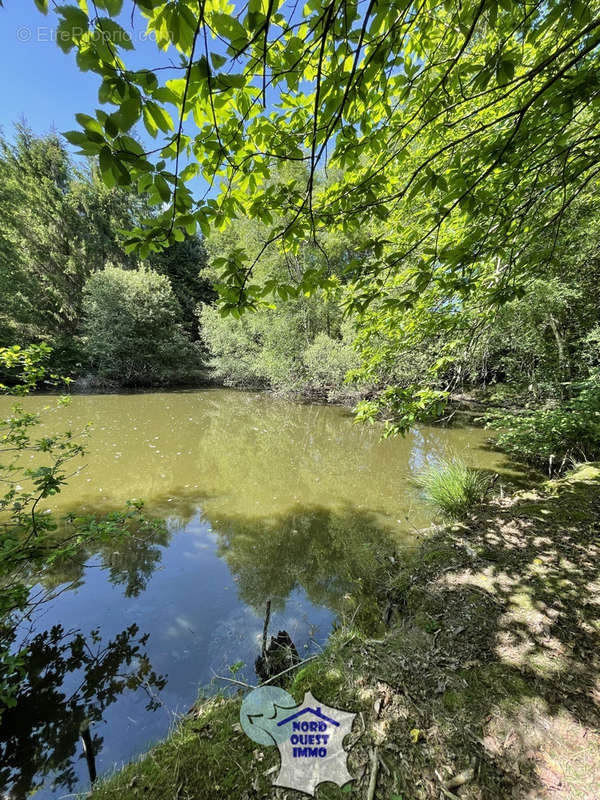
(452, 487)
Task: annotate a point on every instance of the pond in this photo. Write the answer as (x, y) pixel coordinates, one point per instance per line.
(263, 499)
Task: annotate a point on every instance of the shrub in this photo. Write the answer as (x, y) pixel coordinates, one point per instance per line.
(233, 345)
(452, 487)
(555, 437)
(133, 331)
(328, 360)
(284, 347)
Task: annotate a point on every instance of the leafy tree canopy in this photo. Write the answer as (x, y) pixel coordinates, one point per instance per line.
(477, 120)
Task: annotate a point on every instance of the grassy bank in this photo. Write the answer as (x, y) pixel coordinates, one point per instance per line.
(486, 686)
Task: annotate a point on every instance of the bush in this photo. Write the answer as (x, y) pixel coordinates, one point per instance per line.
(133, 331)
(284, 347)
(233, 345)
(555, 437)
(328, 360)
(452, 487)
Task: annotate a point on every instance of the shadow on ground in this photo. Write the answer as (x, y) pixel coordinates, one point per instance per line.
(493, 660)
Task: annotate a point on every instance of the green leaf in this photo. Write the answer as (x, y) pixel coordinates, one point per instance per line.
(73, 24)
(217, 60)
(230, 28)
(42, 5)
(230, 81)
(505, 71)
(159, 117)
(149, 124)
(117, 35)
(163, 188)
(111, 125)
(89, 123)
(107, 167)
(191, 171)
(73, 16)
(200, 70)
(166, 95)
(113, 7)
(87, 146)
(129, 112)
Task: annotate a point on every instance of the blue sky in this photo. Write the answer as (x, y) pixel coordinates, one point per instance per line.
(39, 82)
(43, 84)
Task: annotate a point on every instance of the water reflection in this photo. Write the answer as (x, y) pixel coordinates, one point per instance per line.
(337, 558)
(247, 454)
(128, 560)
(67, 681)
(263, 499)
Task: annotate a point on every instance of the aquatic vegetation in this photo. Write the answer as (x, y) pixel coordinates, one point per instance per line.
(453, 487)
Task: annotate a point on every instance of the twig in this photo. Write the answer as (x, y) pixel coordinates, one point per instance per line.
(289, 669)
(461, 777)
(232, 680)
(374, 771)
(266, 629)
(443, 789)
(386, 769)
(270, 680)
(450, 795)
(186, 88)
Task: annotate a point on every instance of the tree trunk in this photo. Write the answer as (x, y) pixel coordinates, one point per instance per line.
(564, 368)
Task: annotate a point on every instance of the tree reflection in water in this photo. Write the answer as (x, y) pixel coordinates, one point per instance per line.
(68, 679)
(337, 557)
(40, 734)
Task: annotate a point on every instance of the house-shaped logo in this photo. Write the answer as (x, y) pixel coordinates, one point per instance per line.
(310, 738)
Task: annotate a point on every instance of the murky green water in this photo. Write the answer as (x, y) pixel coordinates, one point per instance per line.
(263, 499)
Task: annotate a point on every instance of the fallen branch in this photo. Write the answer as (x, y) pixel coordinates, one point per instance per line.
(446, 792)
(462, 777)
(289, 669)
(232, 680)
(374, 771)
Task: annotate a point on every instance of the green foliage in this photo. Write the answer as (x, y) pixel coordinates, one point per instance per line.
(40, 724)
(62, 224)
(283, 343)
(232, 346)
(591, 348)
(403, 407)
(452, 487)
(133, 332)
(264, 348)
(30, 543)
(329, 360)
(529, 342)
(555, 437)
(444, 116)
(42, 255)
(184, 263)
(451, 143)
(59, 226)
(532, 343)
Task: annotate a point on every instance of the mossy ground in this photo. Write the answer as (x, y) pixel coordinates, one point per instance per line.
(491, 662)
